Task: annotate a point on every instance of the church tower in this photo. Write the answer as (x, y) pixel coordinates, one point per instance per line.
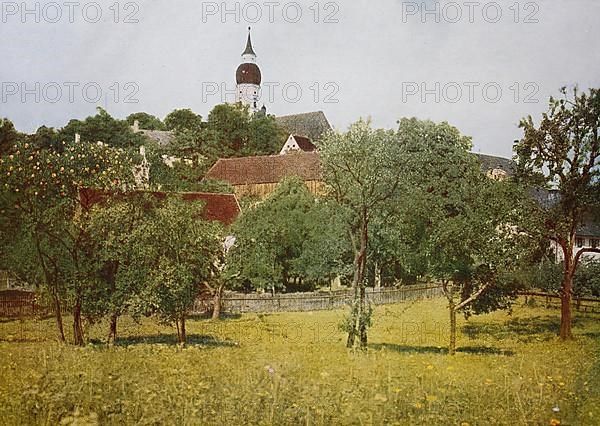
(248, 78)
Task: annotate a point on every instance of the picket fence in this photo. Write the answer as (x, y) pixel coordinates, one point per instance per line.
(238, 303)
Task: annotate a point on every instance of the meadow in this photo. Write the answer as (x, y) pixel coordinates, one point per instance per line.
(293, 368)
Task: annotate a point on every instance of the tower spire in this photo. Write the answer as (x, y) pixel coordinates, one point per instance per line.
(249, 50)
(248, 78)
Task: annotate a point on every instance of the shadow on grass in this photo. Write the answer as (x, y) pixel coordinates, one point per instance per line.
(475, 350)
(6, 320)
(22, 340)
(171, 339)
(591, 334)
(208, 316)
(524, 329)
(539, 328)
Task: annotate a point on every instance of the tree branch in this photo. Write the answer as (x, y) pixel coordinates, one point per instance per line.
(582, 251)
(472, 298)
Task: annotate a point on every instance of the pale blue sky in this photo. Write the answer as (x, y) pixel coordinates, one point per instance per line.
(373, 55)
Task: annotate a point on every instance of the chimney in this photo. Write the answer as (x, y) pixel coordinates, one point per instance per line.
(136, 126)
(77, 137)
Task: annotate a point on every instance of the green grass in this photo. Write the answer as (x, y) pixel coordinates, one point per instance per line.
(294, 369)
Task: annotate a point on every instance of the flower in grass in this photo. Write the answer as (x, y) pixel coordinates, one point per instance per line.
(556, 409)
(554, 422)
(270, 369)
(417, 405)
(431, 398)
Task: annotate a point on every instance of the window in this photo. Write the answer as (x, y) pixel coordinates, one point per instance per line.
(579, 242)
(594, 243)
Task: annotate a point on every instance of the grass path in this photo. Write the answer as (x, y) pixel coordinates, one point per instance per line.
(292, 368)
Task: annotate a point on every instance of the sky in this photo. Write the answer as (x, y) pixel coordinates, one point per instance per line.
(481, 66)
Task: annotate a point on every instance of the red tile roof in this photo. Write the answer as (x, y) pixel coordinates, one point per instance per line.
(221, 207)
(305, 144)
(267, 169)
(218, 207)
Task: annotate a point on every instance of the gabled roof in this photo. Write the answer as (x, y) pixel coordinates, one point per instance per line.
(304, 143)
(163, 137)
(223, 208)
(312, 125)
(267, 169)
(491, 162)
(589, 229)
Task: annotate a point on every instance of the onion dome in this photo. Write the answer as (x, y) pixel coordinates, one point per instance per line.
(248, 73)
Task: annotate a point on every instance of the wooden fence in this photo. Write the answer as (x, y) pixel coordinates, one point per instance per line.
(16, 304)
(549, 300)
(236, 303)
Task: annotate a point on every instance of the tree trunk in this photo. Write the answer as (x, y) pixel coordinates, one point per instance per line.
(77, 326)
(359, 327)
(58, 317)
(377, 276)
(51, 285)
(566, 291)
(362, 326)
(353, 329)
(217, 300)
(356, 307)
(452, 346)
(565, 308)
(182, 336)
(112, 333)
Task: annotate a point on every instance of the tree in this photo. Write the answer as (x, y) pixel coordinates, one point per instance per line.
(270, 239)
(394, 251)
(232, 131)
(146, 121)
(325, 253)
(46, 138)
(467, 222)
(178, 250)
(112, 226)
(562, 153)
(587, 279)
(102, 128)
(360, 169)
(8, 136)
(181, 120)
(265, 137)
(43, 210)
